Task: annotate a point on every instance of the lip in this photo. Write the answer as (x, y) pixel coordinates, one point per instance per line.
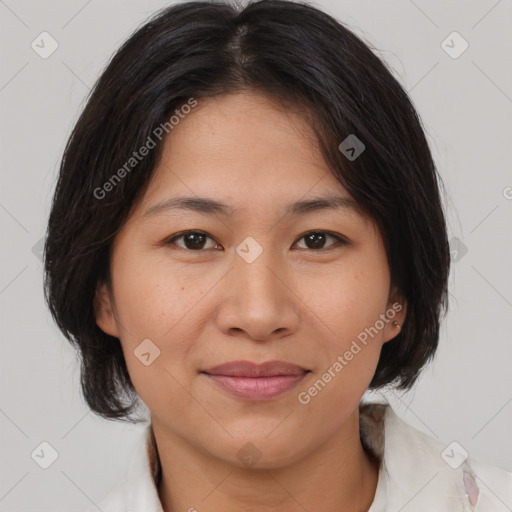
(252, 381)
(250, 369)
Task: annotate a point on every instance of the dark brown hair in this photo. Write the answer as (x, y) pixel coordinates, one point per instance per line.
(304, 59)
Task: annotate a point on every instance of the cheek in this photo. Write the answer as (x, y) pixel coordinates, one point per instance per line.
(349, 306)
(153, 303)
(351, 296)
(160, 303)
(152, 296)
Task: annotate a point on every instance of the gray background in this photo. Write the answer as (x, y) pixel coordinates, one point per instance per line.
(466, 107)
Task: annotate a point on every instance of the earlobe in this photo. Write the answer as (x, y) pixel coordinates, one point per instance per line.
(104, 311)
(396, 312)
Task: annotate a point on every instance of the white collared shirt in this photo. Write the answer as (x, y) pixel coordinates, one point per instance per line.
(413, 475)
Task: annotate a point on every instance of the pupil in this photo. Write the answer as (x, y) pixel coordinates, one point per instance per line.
(318, 240)
(195, 240)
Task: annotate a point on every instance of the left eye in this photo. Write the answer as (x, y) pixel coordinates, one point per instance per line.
(318, 238)
(195, 240)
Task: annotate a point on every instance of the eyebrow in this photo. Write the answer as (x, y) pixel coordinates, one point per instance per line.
(212, 207)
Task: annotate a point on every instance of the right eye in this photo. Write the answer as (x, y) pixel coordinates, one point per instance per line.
(192, 240)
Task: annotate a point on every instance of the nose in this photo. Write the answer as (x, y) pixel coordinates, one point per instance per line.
(258, 300)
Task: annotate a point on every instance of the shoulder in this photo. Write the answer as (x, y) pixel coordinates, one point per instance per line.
(492, 485)
(423, 473)
(137, 490)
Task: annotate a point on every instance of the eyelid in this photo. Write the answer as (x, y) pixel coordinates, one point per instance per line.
(340, 239)
(170, 240)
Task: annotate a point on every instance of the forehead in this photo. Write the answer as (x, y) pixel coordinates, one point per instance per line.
(242, 143)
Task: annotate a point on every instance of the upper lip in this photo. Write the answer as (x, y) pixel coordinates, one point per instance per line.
(250, 369)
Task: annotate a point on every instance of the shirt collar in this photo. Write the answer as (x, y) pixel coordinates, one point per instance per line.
(412, 474)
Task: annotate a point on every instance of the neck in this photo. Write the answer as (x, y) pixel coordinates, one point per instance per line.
(338, 475)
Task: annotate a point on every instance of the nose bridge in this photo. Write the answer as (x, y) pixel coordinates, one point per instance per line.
(258, 300)
(256, 266)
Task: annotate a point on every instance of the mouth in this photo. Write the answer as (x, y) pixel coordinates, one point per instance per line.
(255, 382)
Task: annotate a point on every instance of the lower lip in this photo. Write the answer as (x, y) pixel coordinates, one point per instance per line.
(257, 388)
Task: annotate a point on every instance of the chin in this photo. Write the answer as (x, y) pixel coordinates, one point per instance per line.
(263, 451)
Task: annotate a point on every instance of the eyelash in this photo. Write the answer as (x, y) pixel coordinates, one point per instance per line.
(339, 240)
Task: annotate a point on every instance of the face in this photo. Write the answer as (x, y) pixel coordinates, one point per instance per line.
(263, 282)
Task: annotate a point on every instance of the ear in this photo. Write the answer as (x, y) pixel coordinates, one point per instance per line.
(396, 311)
(103, 307)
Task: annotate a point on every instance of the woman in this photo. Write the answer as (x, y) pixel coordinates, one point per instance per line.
(246, 235)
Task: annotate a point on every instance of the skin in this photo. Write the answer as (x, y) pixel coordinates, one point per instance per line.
(207, 306)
